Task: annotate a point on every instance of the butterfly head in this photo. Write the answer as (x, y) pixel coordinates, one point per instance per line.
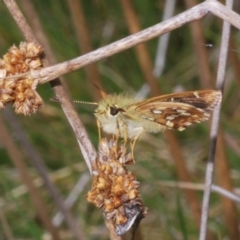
(108, 108)
(110, 111)
(113, 105)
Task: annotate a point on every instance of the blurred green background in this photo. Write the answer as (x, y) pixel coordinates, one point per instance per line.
(169, 216)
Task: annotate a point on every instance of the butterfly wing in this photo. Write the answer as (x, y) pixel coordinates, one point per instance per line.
(175, 111)
(203, 99)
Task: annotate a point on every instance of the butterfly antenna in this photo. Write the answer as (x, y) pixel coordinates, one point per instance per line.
(55, 99)
(83, 102)
(102, 92)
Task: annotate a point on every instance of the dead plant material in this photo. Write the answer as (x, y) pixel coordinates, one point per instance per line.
(115, 189)
(21, 92)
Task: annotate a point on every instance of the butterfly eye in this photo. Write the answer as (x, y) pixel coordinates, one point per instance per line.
(114, 111)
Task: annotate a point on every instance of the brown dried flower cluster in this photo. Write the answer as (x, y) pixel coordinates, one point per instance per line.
(115, 189)
(20, 91)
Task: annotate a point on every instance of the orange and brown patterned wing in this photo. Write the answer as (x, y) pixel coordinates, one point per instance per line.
(178, 110)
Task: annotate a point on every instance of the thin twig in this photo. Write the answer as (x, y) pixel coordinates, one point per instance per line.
(38, 183)
(49, 73)
(81, 135)
(36, 161)
(84, 43)
(141, 50)
(72, 198)
(163, 41)
(18, 161)
(200, 186)
(214, 126)
(5, 225)
(33, 19)
(198, 41)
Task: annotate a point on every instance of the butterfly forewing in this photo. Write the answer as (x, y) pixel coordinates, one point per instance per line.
(204, 99)
(178, 110)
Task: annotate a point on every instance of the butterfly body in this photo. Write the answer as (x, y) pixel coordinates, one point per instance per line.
(125, 121)
(130, 117)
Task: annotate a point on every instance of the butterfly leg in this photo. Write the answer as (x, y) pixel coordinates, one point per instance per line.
(116, 136)
(99, 130)
(133, 143)
(125, 133)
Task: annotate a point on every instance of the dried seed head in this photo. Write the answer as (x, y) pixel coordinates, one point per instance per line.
(34, 64)
(26, 100)
(115, 189)
(120, 218)
(21, 91)
(13, 56)
(31, 50)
